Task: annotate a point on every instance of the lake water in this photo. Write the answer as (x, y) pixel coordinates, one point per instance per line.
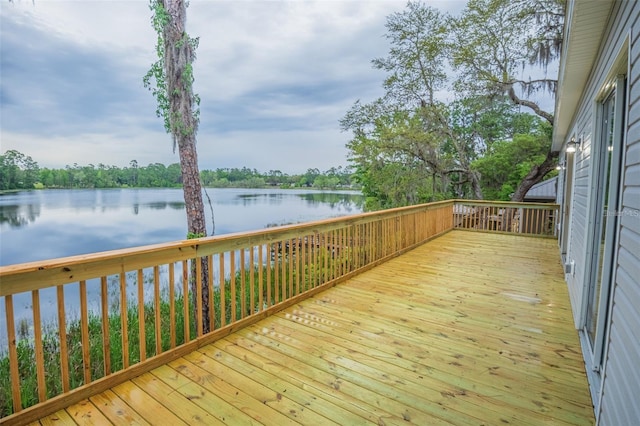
(47, 224)
(38, 225)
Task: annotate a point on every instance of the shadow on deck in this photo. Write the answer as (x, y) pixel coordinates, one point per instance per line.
(469, 328)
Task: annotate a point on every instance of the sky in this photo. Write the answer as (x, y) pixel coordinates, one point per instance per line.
(274, 77)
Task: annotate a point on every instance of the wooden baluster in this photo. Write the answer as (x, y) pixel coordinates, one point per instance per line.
(400, 238)
(539, 229)
(342, 251)
(106, 334)
(350, 248)
(304, 265)
(393, 233)
(123, 319)
(283, 264)
(232, 266)
(386, 249)
(359, 246)
(355, 247)
(465, 214)
(299, 250)
(141, 316)
(347, 265)
(304, 262)
(332, 254)
(270, 249)
(198, 295)
(62, 333)
(223, 301)
(382, 237)
(456, 214)
(185, 301)
(316, 260)
(292, 254)
(365, 245)
(325, 244)
(374, 241)
(260, 277)
(172, 304)
(243, 291)
(383, 240)
(474, 216)
(337, 253)
(37, 335)
(84, 325)
(156, 303)
(252, 281)
(276, 270)
(212, 304)
(13, 353)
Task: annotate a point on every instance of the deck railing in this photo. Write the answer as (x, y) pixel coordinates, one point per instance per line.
(539, 219)
(99, 319)
(137, 308)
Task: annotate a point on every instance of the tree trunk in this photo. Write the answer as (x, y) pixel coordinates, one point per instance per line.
(192, 188)
(196, 222)
(536, 175)
(475, 185)
(178, 61)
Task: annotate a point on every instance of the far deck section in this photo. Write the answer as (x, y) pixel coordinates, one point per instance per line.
(469, 328)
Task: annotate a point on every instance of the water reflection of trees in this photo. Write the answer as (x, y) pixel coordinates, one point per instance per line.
(347, 202)
(161, 205)
(251, 199)
(17, 216)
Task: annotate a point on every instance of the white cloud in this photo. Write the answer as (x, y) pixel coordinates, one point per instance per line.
(266, 151)
(274, 77)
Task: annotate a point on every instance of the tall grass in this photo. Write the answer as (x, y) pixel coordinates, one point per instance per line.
(276, 276)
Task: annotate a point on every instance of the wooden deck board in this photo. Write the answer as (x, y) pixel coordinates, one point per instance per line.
(58, 418)
(202, 397)
(470, 328)
(85, 413)
(116, 410)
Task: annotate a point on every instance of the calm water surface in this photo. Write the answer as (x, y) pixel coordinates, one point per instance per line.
(38, 225)
(47, 224)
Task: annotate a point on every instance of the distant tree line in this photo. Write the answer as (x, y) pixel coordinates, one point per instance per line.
(20, 171)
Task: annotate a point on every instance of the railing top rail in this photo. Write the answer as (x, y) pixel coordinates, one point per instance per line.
(30, 276)
(506, 204)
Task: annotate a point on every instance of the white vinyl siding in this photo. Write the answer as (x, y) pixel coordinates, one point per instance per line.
(621, 380)
(617, 398)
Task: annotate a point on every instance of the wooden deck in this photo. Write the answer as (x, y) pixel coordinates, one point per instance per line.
(470, 328)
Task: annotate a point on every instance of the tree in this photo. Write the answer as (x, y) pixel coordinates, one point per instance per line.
(18, 171)
(415, 63)
(508, 161)
(426, 135)
(132, 173)
(396, 161)
(492, 43)
(178, 106)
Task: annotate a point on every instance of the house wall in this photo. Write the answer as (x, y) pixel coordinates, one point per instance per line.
(621, 385)
(616, 398)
